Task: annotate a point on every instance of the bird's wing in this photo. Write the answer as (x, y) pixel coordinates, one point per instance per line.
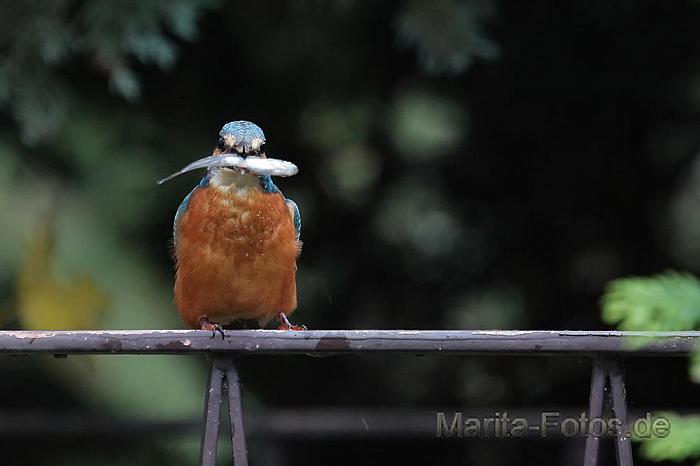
(185, 202)
(180, 211)
(296, 216)
(270, 187)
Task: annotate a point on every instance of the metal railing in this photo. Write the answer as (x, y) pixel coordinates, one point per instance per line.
(607, 350)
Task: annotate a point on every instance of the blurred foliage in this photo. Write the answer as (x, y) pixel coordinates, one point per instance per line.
(77, 256)
(683, 218)
(489, 308)
(664, 302)
(40, 37)
(44, 301)
(448, 34)
(425, 126)
(681, 443)
(669, 301)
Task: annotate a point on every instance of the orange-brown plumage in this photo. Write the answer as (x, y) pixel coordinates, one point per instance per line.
(236, 255)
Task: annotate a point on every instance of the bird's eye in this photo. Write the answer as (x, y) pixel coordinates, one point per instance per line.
(221, 144)
(262, 148)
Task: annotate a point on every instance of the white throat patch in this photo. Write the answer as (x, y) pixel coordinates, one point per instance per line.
(233, 180)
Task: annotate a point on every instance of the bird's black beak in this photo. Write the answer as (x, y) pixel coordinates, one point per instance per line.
(229, 151)
(239, 151)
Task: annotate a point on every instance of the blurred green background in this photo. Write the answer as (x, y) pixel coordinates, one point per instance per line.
(463, 165)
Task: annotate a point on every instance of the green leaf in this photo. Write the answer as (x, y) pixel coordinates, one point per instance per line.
(682, 442)
(664, 302)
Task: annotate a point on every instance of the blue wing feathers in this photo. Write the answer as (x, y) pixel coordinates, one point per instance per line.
(296, 216)
(183, 205)
(270, 187)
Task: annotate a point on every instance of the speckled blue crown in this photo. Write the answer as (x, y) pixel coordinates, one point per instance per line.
(243, 131)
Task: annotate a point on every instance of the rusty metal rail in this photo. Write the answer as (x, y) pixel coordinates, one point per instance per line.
(607, 350)
(349, 341)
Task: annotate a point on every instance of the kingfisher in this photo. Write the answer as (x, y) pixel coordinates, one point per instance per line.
(236, 239)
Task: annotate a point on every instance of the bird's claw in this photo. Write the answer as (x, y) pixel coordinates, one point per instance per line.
(213, 327)
(292, 327)
(286, 325)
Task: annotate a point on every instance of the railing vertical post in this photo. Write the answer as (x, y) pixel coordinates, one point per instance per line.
(595, 411)
(623, 446)
(608, 370)
(235, 410)
(212, 414)
(223, 369)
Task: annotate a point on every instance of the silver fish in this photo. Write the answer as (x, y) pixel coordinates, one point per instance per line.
(257, 165)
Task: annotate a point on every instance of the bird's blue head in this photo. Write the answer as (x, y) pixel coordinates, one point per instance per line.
(241, 138)
(237, 141)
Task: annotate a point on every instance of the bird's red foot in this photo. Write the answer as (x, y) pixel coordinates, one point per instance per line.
(286, 325)
(213, 327)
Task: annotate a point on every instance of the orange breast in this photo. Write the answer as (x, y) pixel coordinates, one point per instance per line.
(236, 256)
